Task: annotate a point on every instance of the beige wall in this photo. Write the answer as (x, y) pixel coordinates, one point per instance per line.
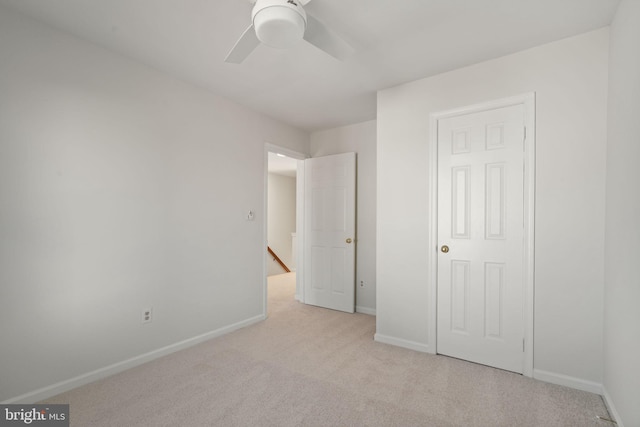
(121, 188)
(622, 250)
(569, 78)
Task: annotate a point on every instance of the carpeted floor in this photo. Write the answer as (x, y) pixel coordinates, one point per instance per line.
(307, 366)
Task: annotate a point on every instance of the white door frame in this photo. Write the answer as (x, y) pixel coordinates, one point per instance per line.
(528, 101)
(272, 148)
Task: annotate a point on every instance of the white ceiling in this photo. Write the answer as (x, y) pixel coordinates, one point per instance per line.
(396, 41)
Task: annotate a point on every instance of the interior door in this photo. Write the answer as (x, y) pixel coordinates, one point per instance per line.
(481, 285)
(330, 225)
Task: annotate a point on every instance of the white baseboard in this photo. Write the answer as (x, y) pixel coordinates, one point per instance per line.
(412, 345)
(567, 381)
(365, 310)
(66, 385)
(611, 407)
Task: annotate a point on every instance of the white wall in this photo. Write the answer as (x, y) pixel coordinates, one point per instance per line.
(115, 189)
(361, 139)
(622, 248)
(570, 81)
(281, 208)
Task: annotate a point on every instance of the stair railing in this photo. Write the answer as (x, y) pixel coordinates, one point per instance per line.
(278, 260)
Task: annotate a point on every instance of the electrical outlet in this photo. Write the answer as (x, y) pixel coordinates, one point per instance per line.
(147, 315)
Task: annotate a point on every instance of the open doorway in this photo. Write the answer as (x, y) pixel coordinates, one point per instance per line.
(281, 214)
(283, 207)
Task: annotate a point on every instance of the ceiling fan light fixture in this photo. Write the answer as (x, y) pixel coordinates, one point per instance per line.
(280, 25)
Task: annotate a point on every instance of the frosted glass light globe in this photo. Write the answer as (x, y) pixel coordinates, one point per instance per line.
(279, 26)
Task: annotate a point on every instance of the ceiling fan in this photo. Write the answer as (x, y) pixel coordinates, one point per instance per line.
(282, 23)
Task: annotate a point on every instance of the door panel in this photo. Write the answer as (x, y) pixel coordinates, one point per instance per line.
(480, 286)
(330, 231)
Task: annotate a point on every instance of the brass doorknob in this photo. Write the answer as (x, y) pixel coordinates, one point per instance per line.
(444, 249)
(349, 240)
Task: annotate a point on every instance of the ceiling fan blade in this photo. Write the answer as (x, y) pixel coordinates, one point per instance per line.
(325, 39)
(243, 47)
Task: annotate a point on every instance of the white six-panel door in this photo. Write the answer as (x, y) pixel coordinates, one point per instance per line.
(329, 242)
(480, 283)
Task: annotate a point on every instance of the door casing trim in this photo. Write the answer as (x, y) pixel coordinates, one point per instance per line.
(528, 101)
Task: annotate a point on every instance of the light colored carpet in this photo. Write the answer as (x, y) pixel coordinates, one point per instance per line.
(307, 366)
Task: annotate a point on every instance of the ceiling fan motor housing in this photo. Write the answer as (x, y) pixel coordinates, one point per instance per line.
(279, 23)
